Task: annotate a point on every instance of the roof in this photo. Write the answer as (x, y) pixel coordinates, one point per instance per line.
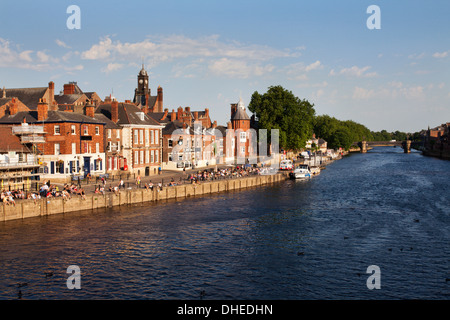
(4, 101)
(108, 123)
(240, 114)
(10, 142)
(28, 96)
(128, 114)
(53, 116)
(69, 98)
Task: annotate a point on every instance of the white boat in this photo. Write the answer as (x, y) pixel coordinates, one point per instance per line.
(301, 172)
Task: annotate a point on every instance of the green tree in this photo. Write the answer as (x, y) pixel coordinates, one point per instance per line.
(280, 109)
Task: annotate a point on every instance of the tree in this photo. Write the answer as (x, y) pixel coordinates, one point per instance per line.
(280, 109)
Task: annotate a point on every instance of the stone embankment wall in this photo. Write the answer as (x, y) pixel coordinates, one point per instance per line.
(48, 206)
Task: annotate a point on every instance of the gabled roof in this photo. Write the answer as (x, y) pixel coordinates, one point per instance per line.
(69, 98)
(28, 96)
(128, 114)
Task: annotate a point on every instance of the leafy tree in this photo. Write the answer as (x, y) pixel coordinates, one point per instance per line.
(280, 109)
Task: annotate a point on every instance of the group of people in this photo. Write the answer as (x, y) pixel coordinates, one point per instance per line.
(214, 174)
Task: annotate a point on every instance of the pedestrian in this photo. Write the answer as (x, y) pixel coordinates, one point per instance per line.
(138, 182)
(121, 185)
(159, 170)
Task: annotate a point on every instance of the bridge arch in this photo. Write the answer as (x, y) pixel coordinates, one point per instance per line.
(364, 145)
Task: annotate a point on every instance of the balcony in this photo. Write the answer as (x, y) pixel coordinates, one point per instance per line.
(27, 129)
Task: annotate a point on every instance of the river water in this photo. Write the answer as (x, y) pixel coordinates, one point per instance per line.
(291, 240)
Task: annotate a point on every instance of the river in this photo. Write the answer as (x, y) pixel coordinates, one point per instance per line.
(291, 240)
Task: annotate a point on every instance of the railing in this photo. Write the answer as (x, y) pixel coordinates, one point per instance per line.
(17, 163)
(28, 129)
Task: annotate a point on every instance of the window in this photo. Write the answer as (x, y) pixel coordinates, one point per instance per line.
(142, 156)
(74, 148)
(109, 133)
(242, 150)
(146, 155)
(156, 156)
(73, 130)
(57, 129)
(146, 138)
(152, 141)
(97, 147)
(117, 133)
(170, 141)
(136, 157)
(156, 137)
(243, 136)
(141, 136)
(97, 131)
(85, 131)
(135, 136)
(57, 148)
(152, 156)
(21, 157)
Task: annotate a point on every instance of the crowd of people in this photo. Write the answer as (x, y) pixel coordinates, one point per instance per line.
(48, 190)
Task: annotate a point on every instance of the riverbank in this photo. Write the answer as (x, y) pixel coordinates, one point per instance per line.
(124, 197)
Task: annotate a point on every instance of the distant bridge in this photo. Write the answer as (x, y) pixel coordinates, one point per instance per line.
(363, 145)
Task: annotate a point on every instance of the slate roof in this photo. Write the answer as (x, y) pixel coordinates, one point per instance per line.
(28, 96)
(240, 114)
(53, 116)
(128, 114)
(69, 98)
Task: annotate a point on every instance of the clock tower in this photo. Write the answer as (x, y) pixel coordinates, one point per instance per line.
(142, 92)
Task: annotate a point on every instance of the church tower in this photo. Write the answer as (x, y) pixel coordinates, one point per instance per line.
(142, 92)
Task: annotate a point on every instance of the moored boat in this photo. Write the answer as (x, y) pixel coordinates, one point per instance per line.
(301, 172)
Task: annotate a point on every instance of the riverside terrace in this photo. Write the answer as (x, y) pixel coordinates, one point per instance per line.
(102, 186)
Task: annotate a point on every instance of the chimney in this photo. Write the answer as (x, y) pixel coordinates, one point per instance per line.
(195, 115)
(90, 109)
(69, 88)
(4, 92)
(51, 93)
(173, 116)
(108, 99)
(206, 113)
(166, 111)
(114, 111)
(42, 109)
(13, 107)
(159, 100)
(188, 109)
(229, 125)
(214, 125)
(180, 113)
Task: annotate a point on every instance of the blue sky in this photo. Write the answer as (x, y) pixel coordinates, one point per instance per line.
(207, 54)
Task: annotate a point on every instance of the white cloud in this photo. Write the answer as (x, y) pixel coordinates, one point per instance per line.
(42, 56)
(62, 44)
(162, 49)
(314, 66)
(238, 68)
(112, 67)
(441, 54)
(354, 71)
(363, 94)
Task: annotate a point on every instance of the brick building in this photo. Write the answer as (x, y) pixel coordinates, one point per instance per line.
(143, 97)
(140, 145)
(66, 143)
